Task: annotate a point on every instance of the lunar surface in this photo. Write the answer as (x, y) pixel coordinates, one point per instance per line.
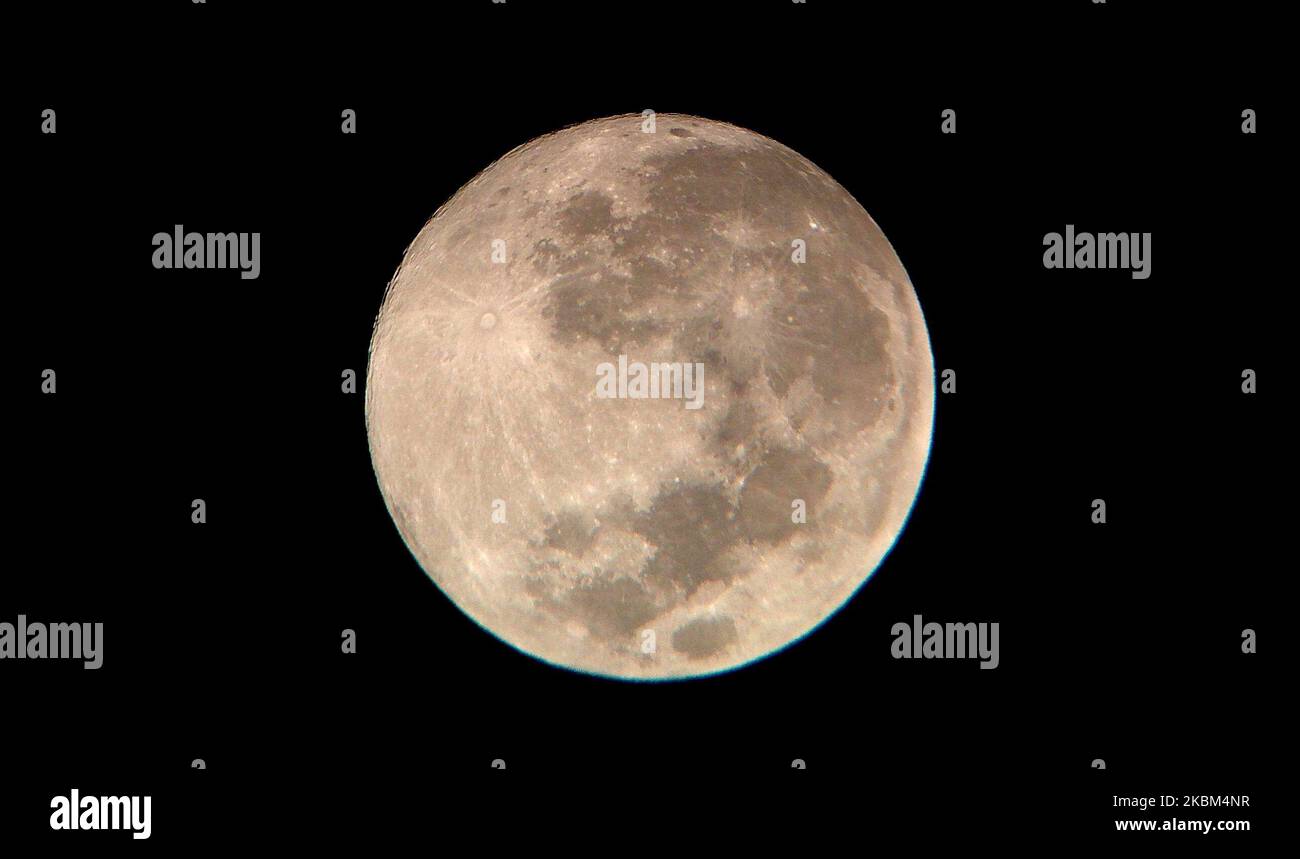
(650, 404)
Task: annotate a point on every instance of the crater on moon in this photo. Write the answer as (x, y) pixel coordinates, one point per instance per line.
(642, 537)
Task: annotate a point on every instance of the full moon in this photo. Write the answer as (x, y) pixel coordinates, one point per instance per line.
(650, 397)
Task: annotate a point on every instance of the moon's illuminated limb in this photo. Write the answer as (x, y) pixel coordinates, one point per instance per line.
(574, 526)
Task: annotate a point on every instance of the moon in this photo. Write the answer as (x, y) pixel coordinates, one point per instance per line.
(607, 530)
